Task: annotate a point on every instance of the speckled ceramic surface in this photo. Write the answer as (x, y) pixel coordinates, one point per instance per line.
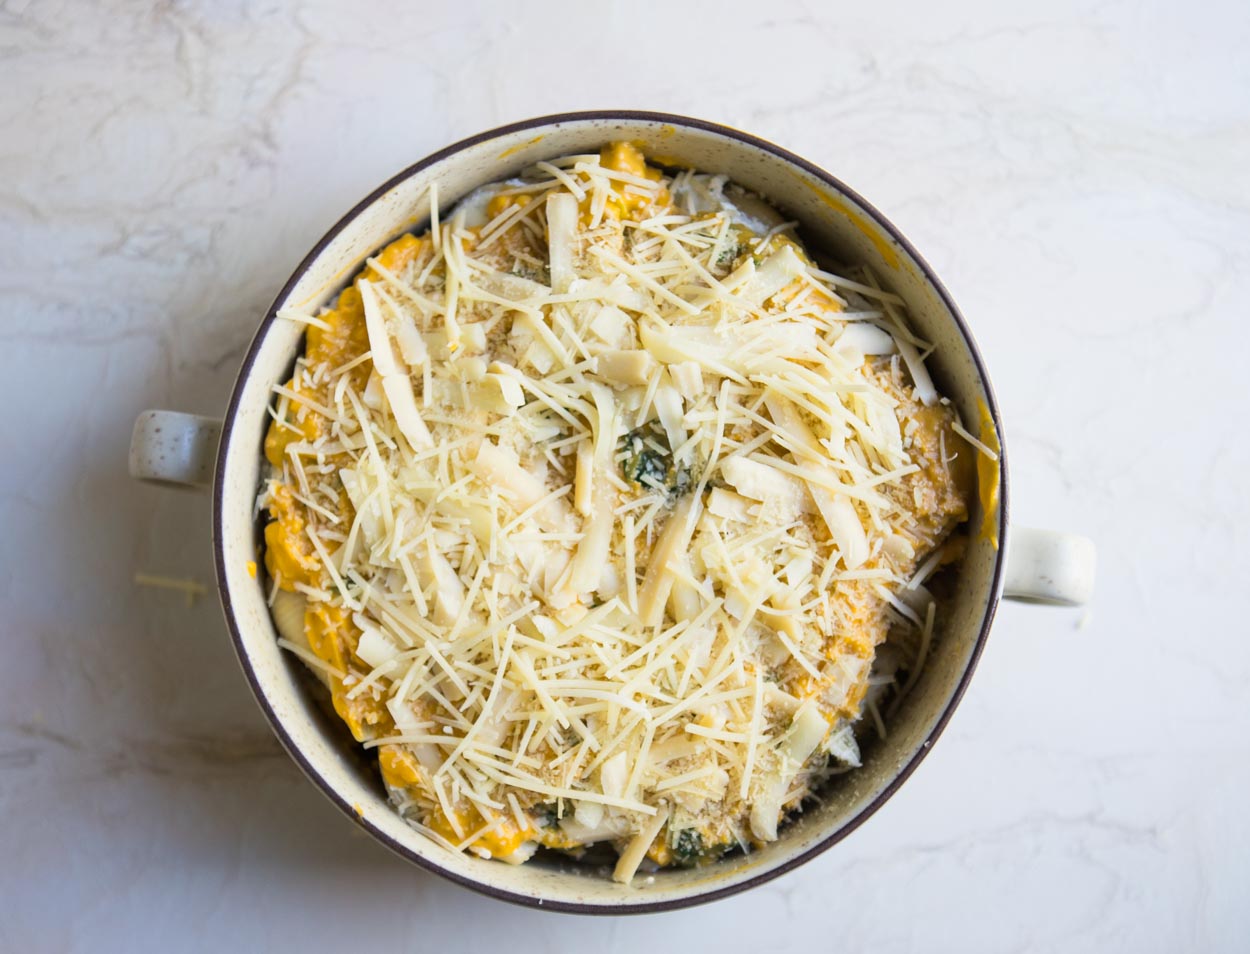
(837, 224)
(178, 450)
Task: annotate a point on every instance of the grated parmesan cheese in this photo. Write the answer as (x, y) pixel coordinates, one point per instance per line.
(595, 503)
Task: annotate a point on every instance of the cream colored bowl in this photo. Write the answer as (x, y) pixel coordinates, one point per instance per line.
(175, 448)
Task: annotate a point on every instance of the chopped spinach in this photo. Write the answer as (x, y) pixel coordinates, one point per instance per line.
(542, 275)
(687, 846)
(648, 462)
(729, 255)
(547, 814)
(689, 849)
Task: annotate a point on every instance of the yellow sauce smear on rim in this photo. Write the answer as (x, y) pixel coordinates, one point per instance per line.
(865, 225)
(512, 151)
(988, 476)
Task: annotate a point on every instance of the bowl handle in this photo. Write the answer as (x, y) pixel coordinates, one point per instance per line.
(1044, 566)
(174, 449)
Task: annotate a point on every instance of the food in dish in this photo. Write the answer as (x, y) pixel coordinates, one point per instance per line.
(605, 514)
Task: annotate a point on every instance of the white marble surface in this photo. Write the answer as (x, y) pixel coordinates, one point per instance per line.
(1078, 174)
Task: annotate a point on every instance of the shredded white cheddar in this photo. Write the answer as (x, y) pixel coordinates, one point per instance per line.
(594, 506)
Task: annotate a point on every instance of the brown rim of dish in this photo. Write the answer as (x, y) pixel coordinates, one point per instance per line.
(219, 488)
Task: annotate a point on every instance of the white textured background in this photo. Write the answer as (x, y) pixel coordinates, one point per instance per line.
(1078, 174)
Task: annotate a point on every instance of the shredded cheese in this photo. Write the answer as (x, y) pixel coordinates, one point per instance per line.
(598, 500)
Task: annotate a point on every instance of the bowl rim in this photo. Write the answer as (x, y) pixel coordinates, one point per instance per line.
(328, 789)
